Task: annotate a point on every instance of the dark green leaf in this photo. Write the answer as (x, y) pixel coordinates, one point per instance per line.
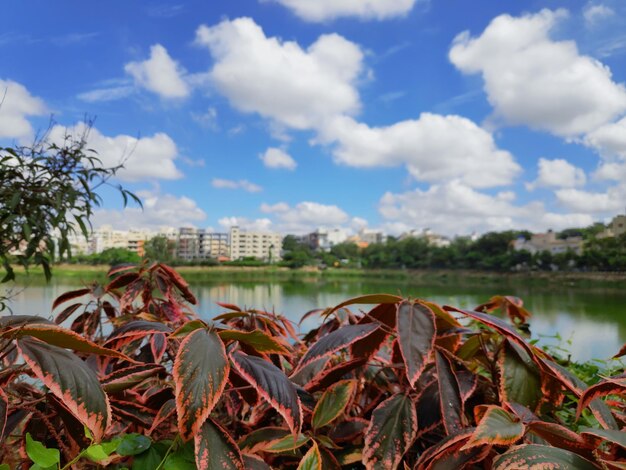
(519, 378)
(133, 444)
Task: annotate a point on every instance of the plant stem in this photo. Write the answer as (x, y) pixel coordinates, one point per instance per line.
(169, 450)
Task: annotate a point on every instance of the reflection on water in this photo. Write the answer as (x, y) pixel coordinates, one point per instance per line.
(593, 319)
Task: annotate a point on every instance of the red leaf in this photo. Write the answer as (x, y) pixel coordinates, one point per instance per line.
(383, 313)
(451, 403)
(69, 296)
(121, 281)
(66, 313)
(416, 337)
(129, 377)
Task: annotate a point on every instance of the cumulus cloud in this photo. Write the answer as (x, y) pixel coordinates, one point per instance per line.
(594, 14)
(434, 148)
(606, 202)
(280, 80)
(558, 173)
(159, 74)
(145, 157)
(303, 217)
(278, 158)
(325, 10)
(455, 208)
(16, 104)
(246, 185)
(159, 210)
(533, 80)
(609, 140)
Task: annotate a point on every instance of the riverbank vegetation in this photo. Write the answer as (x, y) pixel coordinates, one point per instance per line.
(127, 376)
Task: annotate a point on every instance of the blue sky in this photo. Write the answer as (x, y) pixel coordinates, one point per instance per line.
(293, 114)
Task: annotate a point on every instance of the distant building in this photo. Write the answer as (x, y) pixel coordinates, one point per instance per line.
(431, 237)
(265, 246)
(370, 236)
(616, 228)
(215, 245)
(324, 239)
(549, 242)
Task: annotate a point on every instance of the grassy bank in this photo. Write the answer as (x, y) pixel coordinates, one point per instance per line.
(196, 274)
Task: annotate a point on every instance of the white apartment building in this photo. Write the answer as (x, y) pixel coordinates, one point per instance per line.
(549, 242)
(265, 246)
(324, 239)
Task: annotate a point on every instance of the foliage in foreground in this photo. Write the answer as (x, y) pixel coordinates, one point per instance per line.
(136, 380)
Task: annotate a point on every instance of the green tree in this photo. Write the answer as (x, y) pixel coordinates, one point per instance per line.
(48, 191)
(160, 249)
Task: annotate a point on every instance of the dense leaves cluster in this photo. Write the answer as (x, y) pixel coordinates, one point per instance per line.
(48, 191)
(492, 251)
(130, 377)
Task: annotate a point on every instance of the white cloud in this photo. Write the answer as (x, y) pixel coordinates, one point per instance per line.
(615, 171)
(324, 10)
(280, 80)
(159, 74)
(608, 202)
(246, 185)
(256, 225)
(594, 14)
(159, 210)
(454, 208)
(533, 80)
(434, 148)
(278, 158)
(609, 140)
(16, 104)
(146, 157)
(106, 94)
(558, 173)
(305, 216)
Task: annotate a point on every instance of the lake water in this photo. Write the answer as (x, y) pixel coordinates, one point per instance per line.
(593, 320)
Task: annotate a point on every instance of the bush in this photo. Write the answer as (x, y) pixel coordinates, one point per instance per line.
(408, 384)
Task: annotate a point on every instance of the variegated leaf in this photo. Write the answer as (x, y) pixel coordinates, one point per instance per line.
(538, 457)
(200, 374)
(336, 340)
(215, 449)
(391, 431)
(71, 380)
(332, 403)
(497, 427)
(312, 460)
(273, 385)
